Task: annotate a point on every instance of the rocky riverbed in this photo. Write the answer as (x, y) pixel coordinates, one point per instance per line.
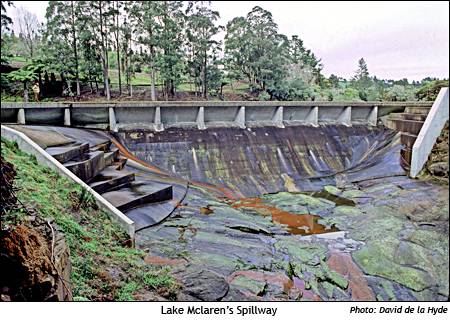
(382, 239)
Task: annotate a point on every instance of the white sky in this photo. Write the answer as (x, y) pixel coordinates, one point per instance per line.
(397, 39)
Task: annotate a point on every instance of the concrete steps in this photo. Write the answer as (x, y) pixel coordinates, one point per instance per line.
(407, 116)
(111, 157)
(408, 139)
(104, 147)
(110, 178)
(66, 153)
(147, 202)
(409, 123)
(407, 126)
(87, 165)
(130, 197)
(418, 110)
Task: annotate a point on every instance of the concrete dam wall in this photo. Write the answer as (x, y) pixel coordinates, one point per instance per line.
(263, 160)
(201, 115)
(250, 148)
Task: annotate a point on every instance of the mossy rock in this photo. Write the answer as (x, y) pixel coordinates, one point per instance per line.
(253, 286)
(352, 194)
(333, 190)
(377, 258)
(347, 211)
(301, 252)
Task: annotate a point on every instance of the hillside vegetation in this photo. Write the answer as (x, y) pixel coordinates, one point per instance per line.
(104, 265)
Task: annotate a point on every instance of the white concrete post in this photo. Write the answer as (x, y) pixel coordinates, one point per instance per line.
(373, 116)
(430, 131)
(112, 119)
(345, 118)
(21, 116)
(201, 118)
(312, 118)
(278, 117)
(240, 117)
(159, 127)
(66, 116)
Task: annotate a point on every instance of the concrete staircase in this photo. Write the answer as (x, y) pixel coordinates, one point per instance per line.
(408, 123)
(102, 168)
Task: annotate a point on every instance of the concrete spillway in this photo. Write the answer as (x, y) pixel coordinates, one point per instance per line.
(264, 160)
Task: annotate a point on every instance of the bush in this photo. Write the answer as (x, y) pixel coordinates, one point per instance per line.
(430, 90)
(263, 96)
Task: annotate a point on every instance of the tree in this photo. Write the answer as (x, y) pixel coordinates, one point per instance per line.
(361, 81)
(334, 80)
(116, 31)
(170, 41)
(5, 19)
(127, 55)
(29, 29)
(25, 75)
(430, 88)
(255, 50)
(202, 49)
(61, 38)
(143, 22)
(302, 62)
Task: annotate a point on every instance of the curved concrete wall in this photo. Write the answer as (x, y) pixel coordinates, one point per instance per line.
(264, 160)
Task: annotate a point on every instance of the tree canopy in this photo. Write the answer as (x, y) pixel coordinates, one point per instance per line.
(94, 45)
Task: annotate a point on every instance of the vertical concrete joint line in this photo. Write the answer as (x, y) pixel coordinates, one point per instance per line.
(67, 117)
(159, 127)
(240, 117)
(201, 118)
(21, 116)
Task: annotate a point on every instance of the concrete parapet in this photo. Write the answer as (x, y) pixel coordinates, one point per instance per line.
(201, 114)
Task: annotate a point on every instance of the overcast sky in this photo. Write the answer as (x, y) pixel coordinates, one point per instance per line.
(397, 39)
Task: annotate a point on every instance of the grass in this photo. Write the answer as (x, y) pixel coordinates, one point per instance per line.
(140, 78)
(18, 58)
(103, 268)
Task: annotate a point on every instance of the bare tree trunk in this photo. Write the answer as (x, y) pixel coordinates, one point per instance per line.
(104, 57)
(25, 91)
(118, 47)
(205, 90)
(77, 75)
(152, 72)
(152, 86)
